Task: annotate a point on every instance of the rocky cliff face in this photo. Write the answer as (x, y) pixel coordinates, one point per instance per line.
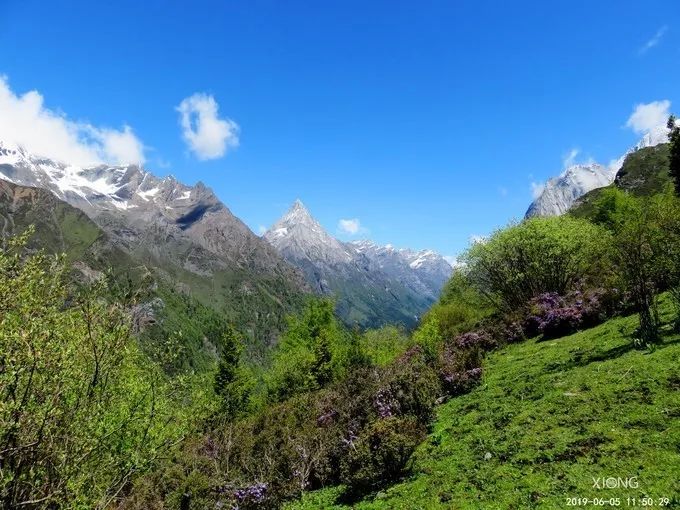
(561, 192)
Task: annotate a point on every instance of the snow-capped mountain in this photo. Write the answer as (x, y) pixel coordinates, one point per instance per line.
(561, 192)
(134, 199)
(102, 188)
(297, 235)
(185, 232)
(424, 271)
(373, 284)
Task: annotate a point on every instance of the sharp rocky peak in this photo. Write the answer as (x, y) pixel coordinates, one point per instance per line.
(373, 283)
(298, 213)
(299, 235)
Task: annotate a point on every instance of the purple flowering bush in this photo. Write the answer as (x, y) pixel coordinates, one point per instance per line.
(554, 316)
(475, 339)
(460, 363)
(385, 404)
(359, 431)
(251, 496)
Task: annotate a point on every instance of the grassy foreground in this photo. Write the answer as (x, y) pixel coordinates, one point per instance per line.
(548, 419)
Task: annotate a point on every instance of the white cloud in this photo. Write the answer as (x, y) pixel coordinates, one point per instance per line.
(649, 116)
(350, 226)
(120, 146)
(261, 229)
(570, 157)
(206, 135)
(25, 121)
(656, 38)
(536, 189)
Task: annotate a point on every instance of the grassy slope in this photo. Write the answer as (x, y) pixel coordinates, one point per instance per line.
(551, 415)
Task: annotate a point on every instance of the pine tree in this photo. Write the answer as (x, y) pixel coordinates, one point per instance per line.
(674, 163)
(322, 368)
(356, 357)
(230, 384)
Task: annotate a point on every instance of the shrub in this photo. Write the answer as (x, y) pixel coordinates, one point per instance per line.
(647, 249)
(554, 316)
(380, 454)
(382, 346)
(460, 368)
(459, 309)
(480, 339)
(538, 256)
(414, 385)
(81, 409)
(505, 331)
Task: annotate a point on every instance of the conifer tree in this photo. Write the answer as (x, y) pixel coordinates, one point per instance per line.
(230, 384)
(674, 163)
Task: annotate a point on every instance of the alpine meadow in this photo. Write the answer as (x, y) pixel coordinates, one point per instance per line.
(297, 255)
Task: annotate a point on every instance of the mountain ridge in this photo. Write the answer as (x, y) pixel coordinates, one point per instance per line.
(373, 284)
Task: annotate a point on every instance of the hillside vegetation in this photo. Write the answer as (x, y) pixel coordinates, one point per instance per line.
(547, 418)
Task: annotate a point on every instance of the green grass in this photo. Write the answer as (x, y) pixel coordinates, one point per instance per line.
(547, 418)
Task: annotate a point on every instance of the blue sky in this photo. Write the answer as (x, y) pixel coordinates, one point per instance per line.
(426, 121)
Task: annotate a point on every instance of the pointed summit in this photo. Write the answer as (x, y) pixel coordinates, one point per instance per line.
(298, 213)
(299, 235)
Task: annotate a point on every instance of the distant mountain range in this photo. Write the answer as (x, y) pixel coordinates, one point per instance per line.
(561, 192)
(373, 284)
(196, 246)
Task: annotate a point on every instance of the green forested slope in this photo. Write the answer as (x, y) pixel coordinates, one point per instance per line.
(546, 419)
(184, 323)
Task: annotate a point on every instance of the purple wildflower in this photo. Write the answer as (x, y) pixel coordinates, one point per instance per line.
(385, 403)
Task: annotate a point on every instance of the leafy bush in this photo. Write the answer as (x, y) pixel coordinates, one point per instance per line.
(81, 409)
(382, 346)
(537, 256)
(647, 250)
(379, 455)
(414, 386)
(458, 310)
